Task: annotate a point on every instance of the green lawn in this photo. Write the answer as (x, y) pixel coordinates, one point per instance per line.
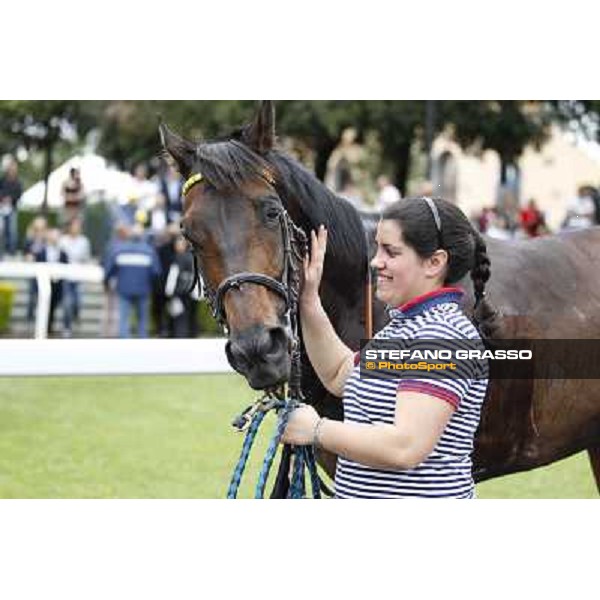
(164, 437)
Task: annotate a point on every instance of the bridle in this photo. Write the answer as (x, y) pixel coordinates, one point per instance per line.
(288, 287)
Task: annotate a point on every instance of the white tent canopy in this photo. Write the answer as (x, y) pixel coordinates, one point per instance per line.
(99, 180)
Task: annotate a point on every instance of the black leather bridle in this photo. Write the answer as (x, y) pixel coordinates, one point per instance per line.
(288, 287)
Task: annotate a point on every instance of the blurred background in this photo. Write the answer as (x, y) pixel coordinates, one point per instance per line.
(80, 177)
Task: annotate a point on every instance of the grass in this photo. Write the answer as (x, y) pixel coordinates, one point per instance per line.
(165, 437)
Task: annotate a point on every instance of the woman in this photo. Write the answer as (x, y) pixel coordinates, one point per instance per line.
(406, 436)
(73, 196)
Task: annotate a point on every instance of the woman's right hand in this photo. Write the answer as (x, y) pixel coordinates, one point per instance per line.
(313, 267)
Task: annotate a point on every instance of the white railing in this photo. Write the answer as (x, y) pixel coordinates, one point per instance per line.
(112, 357)
(98, 356)
(44, 274)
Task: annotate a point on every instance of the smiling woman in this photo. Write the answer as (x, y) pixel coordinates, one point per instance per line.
(402, 436)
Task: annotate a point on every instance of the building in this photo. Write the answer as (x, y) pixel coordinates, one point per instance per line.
(551, 175)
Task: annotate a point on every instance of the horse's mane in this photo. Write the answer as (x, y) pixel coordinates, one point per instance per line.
(229, 163)
(346, 240)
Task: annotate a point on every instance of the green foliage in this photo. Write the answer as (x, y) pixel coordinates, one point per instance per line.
(7, 294)
(41, 123)
(506, 126)
(129, 129)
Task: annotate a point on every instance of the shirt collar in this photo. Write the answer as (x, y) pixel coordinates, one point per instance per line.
(425, 302)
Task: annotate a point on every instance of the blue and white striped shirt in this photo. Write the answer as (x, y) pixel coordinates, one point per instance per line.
(446, 473)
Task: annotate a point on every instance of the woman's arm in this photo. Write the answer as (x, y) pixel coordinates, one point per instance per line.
(419, 423)
(331, 359)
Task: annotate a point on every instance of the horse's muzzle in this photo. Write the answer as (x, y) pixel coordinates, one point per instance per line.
(261, 354)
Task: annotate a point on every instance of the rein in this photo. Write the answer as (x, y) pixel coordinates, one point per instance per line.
(282, 400)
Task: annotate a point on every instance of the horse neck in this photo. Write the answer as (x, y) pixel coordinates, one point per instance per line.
(310, 204)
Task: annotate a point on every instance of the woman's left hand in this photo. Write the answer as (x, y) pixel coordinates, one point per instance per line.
(301, 426)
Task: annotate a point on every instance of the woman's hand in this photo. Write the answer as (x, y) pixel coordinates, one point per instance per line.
(313, 267)
(300, 429)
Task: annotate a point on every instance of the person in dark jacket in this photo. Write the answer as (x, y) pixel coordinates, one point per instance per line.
(134, 264)
(181, 305)
(170, 185)
(10, 195)
(52, 253)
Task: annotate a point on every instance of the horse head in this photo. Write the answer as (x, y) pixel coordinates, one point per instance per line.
(247, 249)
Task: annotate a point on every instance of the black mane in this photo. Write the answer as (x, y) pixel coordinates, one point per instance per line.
(229, 164)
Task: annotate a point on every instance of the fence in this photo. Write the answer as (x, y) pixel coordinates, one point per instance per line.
(113, 357)
(44, 273)
(98, 356)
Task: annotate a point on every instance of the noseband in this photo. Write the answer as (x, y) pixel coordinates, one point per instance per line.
(294, 250)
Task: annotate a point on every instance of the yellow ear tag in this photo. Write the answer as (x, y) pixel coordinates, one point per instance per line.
(190, 183)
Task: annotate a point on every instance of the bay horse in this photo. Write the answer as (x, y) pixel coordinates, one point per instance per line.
(542, 289)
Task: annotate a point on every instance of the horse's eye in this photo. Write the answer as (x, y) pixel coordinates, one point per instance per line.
(272, 213)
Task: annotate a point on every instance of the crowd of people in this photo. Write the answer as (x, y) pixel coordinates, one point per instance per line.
(583, 210)
(149, 274)
(148, 271)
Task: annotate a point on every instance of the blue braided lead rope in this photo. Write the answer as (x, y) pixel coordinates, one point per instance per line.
(284, 416)
(303, 455)
(315, 483)
(236, 478)
(297, 488)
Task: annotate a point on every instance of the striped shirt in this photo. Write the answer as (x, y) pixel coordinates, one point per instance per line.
(446, 472)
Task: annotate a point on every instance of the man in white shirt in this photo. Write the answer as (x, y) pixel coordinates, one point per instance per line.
(580, 210)
(388, 193)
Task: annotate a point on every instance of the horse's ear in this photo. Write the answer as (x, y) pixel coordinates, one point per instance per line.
(179, 149)
(260, 134)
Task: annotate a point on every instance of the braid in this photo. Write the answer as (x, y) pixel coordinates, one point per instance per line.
(484, 314)
(480, 273)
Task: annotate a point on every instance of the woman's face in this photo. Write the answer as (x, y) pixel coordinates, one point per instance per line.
(401, 273)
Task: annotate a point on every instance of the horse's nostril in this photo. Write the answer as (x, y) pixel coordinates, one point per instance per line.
(237, 357)
(274, 342)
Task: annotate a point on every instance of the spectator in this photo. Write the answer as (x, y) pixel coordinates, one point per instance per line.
(164, 245)
(426, 189)
(73, 195)
(77, 247)
(10, 194)
(388, 193)
(134, 264)
(181, 306)
(580, 210)
(498, 227)
(35, 242)
(351, 193)
(484, 218)
(532, 219)
(110, 313)
(142, 195)
(169, 185)
(157, 218)
(52, 253)
(594, 194)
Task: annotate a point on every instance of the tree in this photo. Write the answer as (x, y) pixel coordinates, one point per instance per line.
(42, 124)
(506, 126)
(129, 129)
(398, 124)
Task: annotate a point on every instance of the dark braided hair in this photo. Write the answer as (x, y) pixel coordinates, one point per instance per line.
(467, 251)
